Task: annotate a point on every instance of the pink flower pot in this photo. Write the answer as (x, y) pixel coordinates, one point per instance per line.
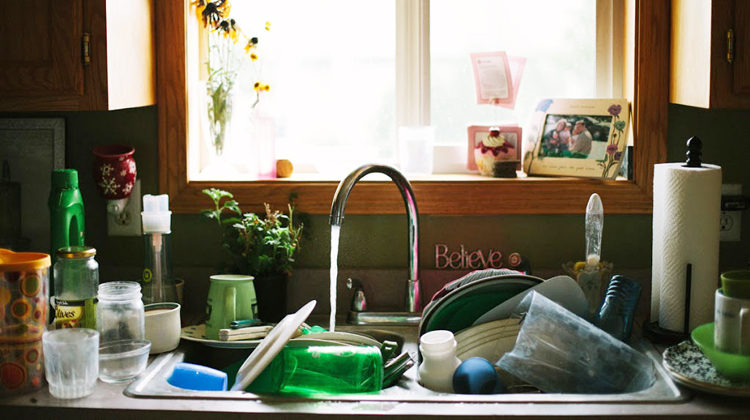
(114, 171)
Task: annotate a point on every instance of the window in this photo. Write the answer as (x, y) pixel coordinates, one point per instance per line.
(438, 195)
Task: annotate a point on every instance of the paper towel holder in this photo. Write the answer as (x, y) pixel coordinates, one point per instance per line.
(659, 335)
(694, 145)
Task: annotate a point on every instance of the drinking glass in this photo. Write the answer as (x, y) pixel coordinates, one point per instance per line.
(71, 361)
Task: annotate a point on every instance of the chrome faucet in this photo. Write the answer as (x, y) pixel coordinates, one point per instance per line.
(413, 291)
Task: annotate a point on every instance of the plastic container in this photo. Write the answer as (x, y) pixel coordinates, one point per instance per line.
(439, 362)
(67, 218)
(76, 283)
(559, 352)
(121, 361)
(618, 308)
(313, 370)
(24, 281)
(72, 362)
(120, 313)
(197, 378)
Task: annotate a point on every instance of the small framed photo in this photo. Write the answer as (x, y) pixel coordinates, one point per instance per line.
(485, 149)
(577, 137)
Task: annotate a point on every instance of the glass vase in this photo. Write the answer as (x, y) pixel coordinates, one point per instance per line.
(219, 103)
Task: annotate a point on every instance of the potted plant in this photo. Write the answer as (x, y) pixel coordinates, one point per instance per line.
(263, 247)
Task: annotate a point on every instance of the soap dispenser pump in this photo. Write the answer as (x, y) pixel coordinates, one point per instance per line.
(157, 282)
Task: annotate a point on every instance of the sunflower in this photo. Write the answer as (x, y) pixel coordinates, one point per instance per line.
(213, 12)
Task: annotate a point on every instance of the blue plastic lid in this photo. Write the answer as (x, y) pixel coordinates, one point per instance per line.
(197, 378)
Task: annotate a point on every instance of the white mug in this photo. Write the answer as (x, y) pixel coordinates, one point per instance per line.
(162, 322)
(732, 331)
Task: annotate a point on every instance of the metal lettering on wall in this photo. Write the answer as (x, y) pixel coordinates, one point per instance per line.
(461, 259)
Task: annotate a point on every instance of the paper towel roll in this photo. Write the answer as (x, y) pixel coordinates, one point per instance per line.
(687, 208)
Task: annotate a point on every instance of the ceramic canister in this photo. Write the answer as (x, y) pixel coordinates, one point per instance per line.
(24, 282)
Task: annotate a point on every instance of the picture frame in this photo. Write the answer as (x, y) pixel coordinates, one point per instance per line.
(33, 147)
(478, 133)
(577, 137)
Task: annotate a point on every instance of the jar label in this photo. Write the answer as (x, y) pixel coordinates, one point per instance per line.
(75, 313)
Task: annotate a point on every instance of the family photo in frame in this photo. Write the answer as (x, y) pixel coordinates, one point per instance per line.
(577, 137)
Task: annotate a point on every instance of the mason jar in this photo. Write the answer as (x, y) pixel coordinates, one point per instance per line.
(120, 314)
(76, 275)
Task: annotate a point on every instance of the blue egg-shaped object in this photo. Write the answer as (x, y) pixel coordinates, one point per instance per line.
(477, 376)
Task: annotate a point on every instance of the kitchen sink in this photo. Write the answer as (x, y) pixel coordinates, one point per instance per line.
(153, 382)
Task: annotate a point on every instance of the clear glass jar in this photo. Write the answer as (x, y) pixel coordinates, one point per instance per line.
(120, 313)
(76, 275)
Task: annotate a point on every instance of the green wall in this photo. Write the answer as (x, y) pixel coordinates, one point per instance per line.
(380, 241)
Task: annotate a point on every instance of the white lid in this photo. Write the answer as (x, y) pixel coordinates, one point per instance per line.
(437, 341)
(156, 216)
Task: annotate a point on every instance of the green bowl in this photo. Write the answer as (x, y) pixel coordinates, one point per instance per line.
(733, 366)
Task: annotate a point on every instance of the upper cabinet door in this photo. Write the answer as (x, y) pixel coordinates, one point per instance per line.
(42, 63)
(710, 54)
(40, 58)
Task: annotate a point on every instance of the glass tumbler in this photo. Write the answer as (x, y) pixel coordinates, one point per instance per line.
(71, 361)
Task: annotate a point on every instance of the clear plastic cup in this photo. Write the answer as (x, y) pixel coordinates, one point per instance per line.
(416, 149)
(71, 361)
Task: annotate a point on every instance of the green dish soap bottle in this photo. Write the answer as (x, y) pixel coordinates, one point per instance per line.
(67, 223)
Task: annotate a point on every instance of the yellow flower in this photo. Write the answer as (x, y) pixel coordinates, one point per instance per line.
(253, 56)
(268, 26)
(258, 86)
(251, 45)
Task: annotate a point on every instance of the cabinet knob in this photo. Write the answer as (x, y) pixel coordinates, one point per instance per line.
(730, 46)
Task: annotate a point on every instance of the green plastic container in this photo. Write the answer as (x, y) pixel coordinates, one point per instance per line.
(733, 366)
(332, 370)
(67, 222)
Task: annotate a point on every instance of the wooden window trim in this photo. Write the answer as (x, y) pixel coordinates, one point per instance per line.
(647, 87)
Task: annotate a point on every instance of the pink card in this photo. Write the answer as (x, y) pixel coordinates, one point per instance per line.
(497, 78)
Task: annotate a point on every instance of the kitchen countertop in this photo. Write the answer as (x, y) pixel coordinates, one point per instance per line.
(109, 402)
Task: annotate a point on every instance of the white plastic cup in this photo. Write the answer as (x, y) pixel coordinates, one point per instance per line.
(415, 146)
(71, 361)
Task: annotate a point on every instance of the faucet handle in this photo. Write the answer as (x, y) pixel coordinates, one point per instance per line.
(359, 301)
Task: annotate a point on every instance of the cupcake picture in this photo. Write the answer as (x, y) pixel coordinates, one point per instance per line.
(494, 148)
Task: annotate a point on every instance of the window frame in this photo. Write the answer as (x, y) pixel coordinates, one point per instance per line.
(646, 85)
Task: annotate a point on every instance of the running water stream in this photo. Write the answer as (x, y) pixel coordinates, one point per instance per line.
(335, 231)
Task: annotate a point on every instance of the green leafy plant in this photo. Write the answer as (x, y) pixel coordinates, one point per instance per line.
(255, 245)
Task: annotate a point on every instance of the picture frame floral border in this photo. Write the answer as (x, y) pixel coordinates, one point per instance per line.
(605, 167)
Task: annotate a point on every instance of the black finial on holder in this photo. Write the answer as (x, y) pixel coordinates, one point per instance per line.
(693, 154)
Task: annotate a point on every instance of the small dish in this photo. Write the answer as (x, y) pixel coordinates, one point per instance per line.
(123, 360)
(491, 350)
(197, 333)
(733, 366)
(687, 365)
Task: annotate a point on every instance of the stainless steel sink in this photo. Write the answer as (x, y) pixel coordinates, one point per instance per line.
(153, 382)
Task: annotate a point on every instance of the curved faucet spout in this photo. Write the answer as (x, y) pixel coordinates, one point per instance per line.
(413, 297)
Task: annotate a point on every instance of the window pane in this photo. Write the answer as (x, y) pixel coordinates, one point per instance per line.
(331, 69)
(557, 38)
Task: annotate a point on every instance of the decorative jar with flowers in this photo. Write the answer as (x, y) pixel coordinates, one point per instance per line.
(224, 61)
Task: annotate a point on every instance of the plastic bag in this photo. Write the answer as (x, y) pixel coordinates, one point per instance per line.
(559, 352)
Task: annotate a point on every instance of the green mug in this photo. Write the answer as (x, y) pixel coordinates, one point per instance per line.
(736, 284)
(230, 298)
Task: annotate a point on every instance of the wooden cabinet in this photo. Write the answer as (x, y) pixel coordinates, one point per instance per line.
(710, 54)
(76, 55)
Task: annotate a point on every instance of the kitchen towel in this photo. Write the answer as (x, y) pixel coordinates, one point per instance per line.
(687, 207)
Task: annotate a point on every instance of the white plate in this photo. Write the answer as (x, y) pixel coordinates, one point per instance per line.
(491, 328)
(262, 356)
(561, 289)
(491, 350)
(197, 333)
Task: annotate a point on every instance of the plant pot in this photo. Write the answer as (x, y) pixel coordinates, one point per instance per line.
(271, 293)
